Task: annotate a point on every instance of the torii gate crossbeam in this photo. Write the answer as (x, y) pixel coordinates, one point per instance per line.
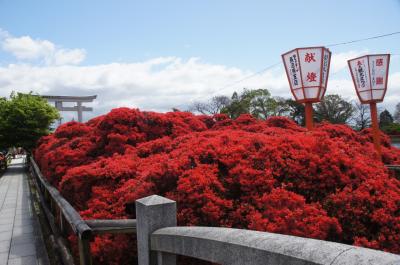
(78, 108)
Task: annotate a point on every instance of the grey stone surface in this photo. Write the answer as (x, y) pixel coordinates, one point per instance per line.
(5, 235)
(20, 236)
(356, 255)
(28, 260)
(22, 250)
(3, 258)
(153, 212)
(8, 220)
(238, 247)
(20, 230)
(5, 227)
(4, 246)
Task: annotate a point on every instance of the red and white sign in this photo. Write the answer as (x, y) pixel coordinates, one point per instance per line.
(370, 76)
(307, 70)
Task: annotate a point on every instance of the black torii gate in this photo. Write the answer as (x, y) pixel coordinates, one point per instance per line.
(79, 108)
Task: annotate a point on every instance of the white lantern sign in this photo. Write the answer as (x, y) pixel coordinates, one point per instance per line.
(370, 76)
(307, 70)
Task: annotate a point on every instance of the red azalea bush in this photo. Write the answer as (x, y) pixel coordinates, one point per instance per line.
(246, 173)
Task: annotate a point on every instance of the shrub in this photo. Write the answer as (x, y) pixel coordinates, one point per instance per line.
(246, 173)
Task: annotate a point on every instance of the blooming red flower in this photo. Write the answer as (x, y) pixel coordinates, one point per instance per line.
(246, 173)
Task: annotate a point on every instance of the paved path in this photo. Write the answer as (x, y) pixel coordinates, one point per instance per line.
(20, 237)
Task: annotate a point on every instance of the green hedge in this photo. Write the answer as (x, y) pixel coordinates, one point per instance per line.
(392, 129)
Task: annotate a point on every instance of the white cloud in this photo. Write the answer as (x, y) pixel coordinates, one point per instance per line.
(392, 96)
(26, 48)
(339, 60)
(158, 84)
(343, 87)
(67, 56)
(3, 34)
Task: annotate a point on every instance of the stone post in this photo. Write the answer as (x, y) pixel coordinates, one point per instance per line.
(152, 213)
(79, 109)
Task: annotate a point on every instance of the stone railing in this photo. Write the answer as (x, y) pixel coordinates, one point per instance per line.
(159, 240)
(62, 219)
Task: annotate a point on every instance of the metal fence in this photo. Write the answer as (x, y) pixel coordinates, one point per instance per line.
(159, 239)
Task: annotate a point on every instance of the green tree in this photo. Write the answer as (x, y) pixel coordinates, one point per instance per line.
(257, 102)
(392, 129)
(385, 118)
(262, 105)
(335, 109)
(24, 118)
(296, 111)
(237, 106)
(282, 108)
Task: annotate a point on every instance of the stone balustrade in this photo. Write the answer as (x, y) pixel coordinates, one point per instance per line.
(159, 240)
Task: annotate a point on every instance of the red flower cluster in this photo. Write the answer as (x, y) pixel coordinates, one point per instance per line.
(246, 173)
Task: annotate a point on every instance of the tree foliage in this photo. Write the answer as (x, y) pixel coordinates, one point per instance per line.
(262, 105)
(295, 111)
(335, 109)
(270, 175)
(257, 102)
(24, 118)
(385, 118)
(392, 129)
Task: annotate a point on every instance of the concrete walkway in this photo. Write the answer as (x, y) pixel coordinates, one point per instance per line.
(20, 237)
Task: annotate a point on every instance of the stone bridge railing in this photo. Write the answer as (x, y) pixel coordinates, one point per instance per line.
(159, 240)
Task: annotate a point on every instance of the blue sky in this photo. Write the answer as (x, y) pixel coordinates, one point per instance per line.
(230, 39)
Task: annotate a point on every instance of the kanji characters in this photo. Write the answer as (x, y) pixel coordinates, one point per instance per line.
(379, 80)
(310, 57)
(361, 74)
(379, 62)
(311, 77)
(293, 64)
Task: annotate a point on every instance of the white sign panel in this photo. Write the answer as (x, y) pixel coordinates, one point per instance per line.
(369, 75)
(307, 70)
(378, 67)
(292, 63)
(310, 61)
(325, 71)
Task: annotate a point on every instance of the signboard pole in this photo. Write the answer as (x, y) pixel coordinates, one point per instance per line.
(375, 129)
(309, 116)
(370, 78)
